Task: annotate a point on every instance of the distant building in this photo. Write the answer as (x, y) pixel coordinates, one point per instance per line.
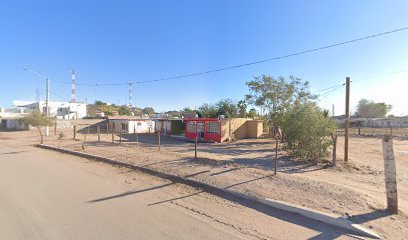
(10, 119)
(220, 130)
(131, 124)
(61, 110)
(169, 126)
(395, 122)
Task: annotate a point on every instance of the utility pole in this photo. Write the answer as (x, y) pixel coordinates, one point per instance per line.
(390, 174)
(47, 96)
(333, 111)
(37, 94)
(130, 95)
(73, 94)
(47, 99)
(347, 122)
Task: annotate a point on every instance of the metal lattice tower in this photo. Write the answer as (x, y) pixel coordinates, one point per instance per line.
(130, 95)
(73, 95)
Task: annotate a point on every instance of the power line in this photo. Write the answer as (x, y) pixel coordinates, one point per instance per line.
(255, 62)
(330, 88)
(382, 75)
(59, 96)
(326, 94)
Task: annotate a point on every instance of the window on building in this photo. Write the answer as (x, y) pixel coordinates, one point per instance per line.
(124, 126)
(191, 127)
(212, 127)
(139, 124)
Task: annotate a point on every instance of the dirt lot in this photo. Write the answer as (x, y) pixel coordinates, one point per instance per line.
(355, 189)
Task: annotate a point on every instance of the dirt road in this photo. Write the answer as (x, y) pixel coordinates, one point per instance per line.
(47, 195)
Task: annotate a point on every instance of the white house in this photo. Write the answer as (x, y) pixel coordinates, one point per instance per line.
(62, 110)
(10, 119)
(131, 124)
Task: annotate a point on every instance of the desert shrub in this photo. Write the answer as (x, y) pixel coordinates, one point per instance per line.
(307, 132)
(38, 120)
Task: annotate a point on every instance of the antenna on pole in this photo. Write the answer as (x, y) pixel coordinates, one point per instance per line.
(73, 94)
(130, 95)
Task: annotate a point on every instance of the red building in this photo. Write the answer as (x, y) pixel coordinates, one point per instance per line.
(204, 128)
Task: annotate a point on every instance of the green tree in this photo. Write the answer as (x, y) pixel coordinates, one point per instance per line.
(242, 106)
(38, 120)
(252, 113)
(278, 95)
(99, 103)
(124, 111)
(187, 110)
(148, 110)
(207, 111)
(227, 108)
(307, 130)
(370, 109)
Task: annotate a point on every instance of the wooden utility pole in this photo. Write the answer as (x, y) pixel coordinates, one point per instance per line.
(98, 129)
(390, 174)
(334, 153)
(347, 122)
(74, 130)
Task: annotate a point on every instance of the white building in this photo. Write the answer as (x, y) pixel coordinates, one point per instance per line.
(10, 119)
(131, 124)
(62, 110)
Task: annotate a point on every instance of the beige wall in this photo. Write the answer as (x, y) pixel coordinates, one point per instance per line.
(240, 128)
(255, 128)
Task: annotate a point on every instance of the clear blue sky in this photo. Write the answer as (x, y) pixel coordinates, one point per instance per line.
(121, 41)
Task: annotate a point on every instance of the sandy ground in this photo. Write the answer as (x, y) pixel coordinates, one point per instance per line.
(49, 195)
(355, 189)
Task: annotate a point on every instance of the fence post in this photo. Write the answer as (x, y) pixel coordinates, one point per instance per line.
(83, 144)
(158, 139)
(276, 154)
(98, 129)
(120, 136)
(334, 154)
(391, 131)
(55, 126)
(74, 132)
(113, 132)
(390, 174)
(195, 147)
(107, 128)
(359, 133)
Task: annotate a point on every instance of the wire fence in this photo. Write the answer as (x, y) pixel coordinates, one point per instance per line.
(375, 132)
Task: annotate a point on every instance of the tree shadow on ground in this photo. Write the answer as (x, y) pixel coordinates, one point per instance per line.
(366, 217)
(141, 190)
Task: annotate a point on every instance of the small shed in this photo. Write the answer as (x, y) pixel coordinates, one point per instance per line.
(220, 130)
(131, 124)
(170, 126)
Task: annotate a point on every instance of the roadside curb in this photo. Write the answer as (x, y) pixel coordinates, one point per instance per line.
(332, 220)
